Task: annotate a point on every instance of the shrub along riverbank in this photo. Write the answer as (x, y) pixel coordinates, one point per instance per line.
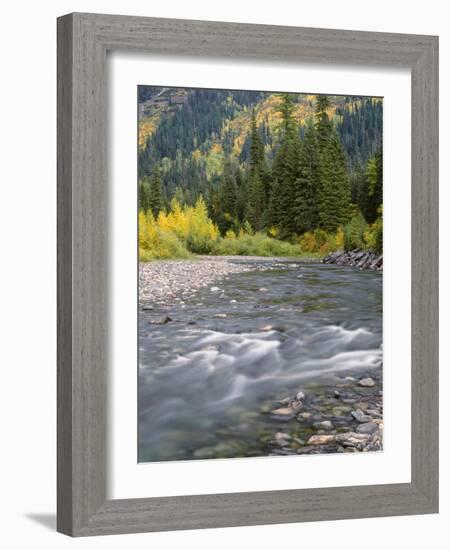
(188, 230)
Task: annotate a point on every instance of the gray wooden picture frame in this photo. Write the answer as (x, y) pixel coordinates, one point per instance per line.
(83, 41)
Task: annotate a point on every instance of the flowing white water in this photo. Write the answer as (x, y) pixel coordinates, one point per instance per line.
(195, 380)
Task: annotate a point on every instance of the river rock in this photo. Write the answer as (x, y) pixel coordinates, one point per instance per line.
(220, 316)
(362, 259)
(300, 396)
(359, 416)
(324, 425)
(161, 321)
(215, 289)
(321, 439)
(366, 382)
(281, 436)
(352, 439)
(367, 428)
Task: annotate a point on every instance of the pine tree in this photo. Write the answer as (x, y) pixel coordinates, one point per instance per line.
(144, 195)
(372, 192)
(334, 196)
(324, 125)
(258, 180)
(307, 184)
(155, 198)
(334, 191)
(241, 196)
(256, 198)
(285, 172)
(228, 198)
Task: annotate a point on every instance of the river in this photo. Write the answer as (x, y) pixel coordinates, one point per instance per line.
(209, 376)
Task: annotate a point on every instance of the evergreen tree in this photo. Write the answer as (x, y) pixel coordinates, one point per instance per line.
(334, 192)
(285, 172)
(324, 125)
(307, 185)
(144, 195)
(372, 192)
(155, 198)
(228, 198)
(256, 201)
(258, 180)
(334, 204)
(241, 196)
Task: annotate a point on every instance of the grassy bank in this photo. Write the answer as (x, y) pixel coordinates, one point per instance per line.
(187, 231)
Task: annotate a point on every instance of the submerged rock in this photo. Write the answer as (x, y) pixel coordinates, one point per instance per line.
(161, 321)
(324, 425)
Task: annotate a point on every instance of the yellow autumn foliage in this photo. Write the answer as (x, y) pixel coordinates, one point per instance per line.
(178, 233)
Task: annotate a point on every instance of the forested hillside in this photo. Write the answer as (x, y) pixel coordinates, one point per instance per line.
(301, 168)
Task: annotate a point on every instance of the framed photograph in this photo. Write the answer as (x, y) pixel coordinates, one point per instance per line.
(247, 274)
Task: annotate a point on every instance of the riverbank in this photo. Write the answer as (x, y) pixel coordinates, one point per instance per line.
(361, 259)
(162, 281)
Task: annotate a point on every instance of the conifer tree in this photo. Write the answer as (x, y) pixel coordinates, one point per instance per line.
(258, 180)
(286, 171)
(228, 198)
(372, 193)
(256, 198)
(324, 125)
(241, 196)
(144, 193)
(334, 197)
(334, 192)
(307, 185)
(155, 197)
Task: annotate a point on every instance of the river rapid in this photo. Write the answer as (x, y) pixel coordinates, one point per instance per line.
(212, 365)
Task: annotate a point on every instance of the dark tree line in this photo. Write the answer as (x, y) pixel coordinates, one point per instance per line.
(309, 181)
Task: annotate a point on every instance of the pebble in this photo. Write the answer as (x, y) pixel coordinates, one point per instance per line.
(161, 321)
(367, 428)
(282, 436)
(162, 281)
(359, 416)
(321, 439)
(324, 425)
(366, 382)
(327, 426)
